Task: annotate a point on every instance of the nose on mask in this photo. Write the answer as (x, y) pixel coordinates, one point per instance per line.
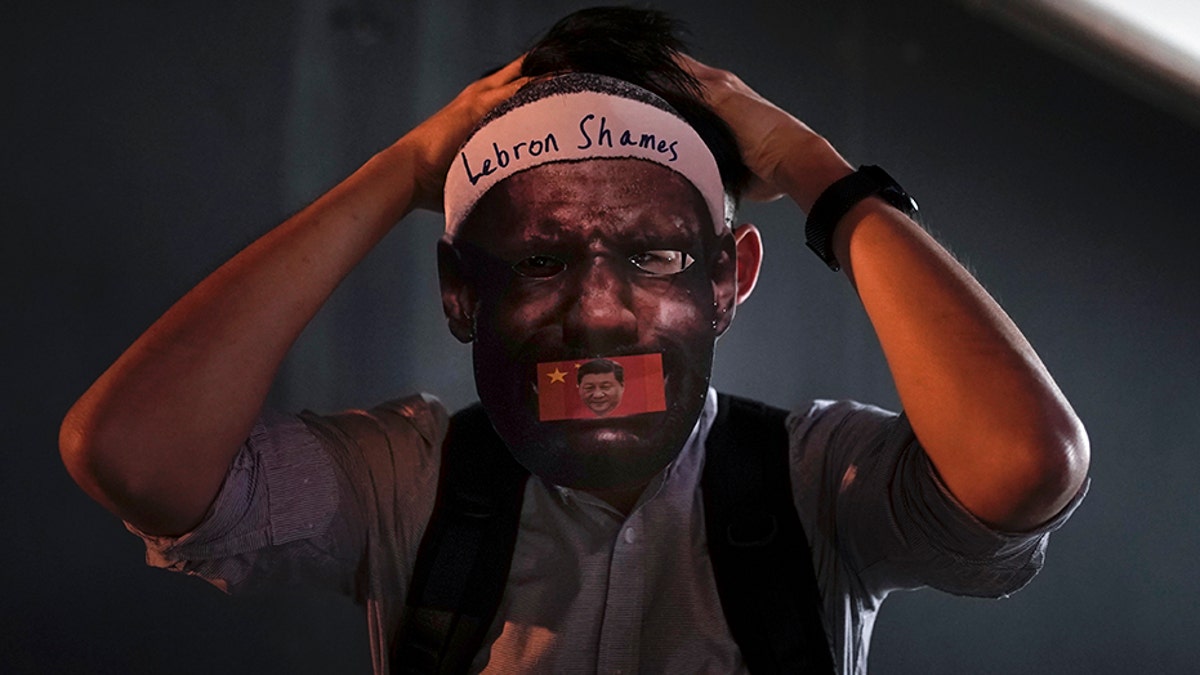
(560, 398)
(600, 318)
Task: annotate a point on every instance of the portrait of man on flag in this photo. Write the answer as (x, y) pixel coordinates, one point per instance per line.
(601, 385)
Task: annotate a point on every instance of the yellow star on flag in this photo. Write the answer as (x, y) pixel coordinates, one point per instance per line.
(557, 375)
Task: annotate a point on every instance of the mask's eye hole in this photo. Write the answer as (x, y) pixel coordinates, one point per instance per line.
(662, 261)
(539, 266)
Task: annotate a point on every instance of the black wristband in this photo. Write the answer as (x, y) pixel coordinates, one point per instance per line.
(837, 200)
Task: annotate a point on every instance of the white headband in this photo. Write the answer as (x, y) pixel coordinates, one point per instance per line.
(577, 126)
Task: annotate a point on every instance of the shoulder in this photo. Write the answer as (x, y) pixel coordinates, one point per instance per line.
(418, 420)
(388, 452)
(828, 417)
(822, 424)
(843, 431)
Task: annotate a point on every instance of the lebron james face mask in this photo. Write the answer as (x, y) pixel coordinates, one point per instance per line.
(586, 228)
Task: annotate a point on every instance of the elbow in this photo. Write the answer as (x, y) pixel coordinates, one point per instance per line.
(130, 476)
(73, 446)
(82, 455)
(97, 456)
(100, 464)
(1064, 460)
(1047, 473)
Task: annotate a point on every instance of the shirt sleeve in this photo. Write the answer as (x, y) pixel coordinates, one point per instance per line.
(874, 506)
(302, 497)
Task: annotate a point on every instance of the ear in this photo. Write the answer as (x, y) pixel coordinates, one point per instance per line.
(734, 273)
(458, 295)
(749, 259)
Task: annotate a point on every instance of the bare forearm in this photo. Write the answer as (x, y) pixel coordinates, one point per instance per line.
(992, 420)
(153, 437)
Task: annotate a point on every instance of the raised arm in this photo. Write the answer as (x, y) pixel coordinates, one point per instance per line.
(994, 423)
(152, 438)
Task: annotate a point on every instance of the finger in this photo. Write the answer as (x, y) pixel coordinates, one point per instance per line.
(497, 94)
(700, 70)
(509, 72)
(688, 63)
(509, 88)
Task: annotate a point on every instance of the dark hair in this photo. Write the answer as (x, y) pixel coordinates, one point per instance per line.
(639, 46)
(599, 367)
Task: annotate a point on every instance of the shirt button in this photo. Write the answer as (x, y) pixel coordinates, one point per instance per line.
(630, 535)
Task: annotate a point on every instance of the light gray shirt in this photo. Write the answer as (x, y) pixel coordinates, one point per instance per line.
(311, 499)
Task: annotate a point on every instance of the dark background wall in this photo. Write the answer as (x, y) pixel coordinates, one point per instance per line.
(145, 143)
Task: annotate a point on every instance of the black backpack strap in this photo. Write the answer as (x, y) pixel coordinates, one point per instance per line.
(464, 558)
(759, 552)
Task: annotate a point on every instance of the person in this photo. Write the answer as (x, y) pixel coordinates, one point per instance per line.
(601, 385)
(590, 189)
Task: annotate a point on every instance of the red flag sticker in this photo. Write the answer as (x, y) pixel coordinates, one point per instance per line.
(616, 386)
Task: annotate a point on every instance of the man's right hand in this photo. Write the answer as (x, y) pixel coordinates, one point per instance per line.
(153, 437)
(436, 140)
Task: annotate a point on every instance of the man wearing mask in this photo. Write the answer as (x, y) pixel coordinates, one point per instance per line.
(590, 193)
